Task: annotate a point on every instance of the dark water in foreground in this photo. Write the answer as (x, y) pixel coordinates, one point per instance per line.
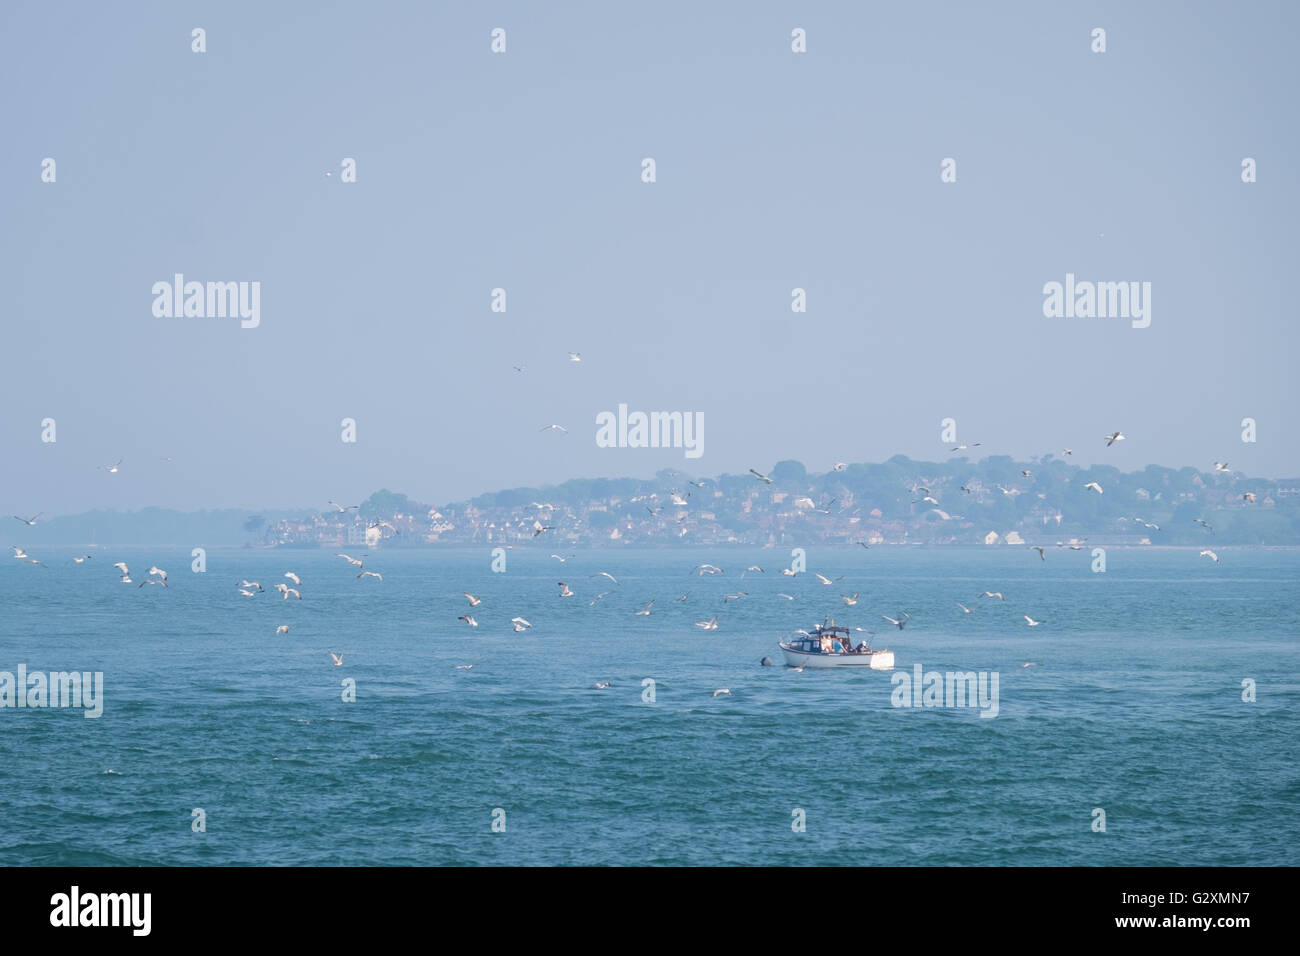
(1135, 706)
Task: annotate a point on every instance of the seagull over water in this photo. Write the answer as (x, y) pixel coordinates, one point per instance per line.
(370, 574)
(710, 625)
(1032, 622)
(29, 521)
(899, 621)
(1041, 553)
(337, 658)
(1211, 555)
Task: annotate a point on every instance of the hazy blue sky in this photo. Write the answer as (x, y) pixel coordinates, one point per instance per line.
(523, 170)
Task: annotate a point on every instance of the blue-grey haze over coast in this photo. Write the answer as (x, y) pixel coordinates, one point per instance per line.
(521, 171)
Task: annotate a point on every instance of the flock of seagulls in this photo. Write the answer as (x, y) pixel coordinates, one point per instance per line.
(156, 576)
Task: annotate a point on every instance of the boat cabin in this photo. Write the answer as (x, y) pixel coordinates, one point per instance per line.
(828, 638)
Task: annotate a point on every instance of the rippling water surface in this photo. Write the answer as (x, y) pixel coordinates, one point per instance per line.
(1134, 705)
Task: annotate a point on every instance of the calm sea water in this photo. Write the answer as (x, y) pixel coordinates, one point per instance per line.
(1135, 706)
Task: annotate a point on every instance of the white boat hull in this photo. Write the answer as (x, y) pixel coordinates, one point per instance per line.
(876, 660)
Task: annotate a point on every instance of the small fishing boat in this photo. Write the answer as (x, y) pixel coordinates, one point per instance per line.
(831, 646)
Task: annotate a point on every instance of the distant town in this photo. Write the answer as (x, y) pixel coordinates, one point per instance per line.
(1044, 501)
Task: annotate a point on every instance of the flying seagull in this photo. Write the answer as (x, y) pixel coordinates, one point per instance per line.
(899, 621)
(282, 629)
(564, 590)
(337, 658)
(710, 625)
(993, 594)
(1211, 555)
(557, 428)
(370, 574)
(468, 620)
(963, 607)
(1032, 622)
(29, 521)
(1113, 437)
(355, 562)
(294, 578)
(645, 611)
(1094, 485)
(1041, 553)
(112, 469)
(760, 476)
